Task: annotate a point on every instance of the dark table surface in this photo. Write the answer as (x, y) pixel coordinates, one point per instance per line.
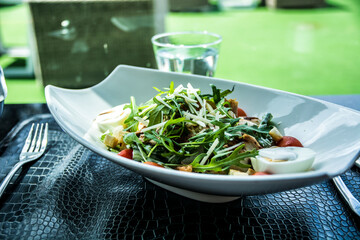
(72, 193)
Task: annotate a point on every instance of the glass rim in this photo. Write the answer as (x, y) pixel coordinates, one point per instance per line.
(156, 37)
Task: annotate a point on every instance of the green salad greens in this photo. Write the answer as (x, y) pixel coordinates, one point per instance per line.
(184, 129)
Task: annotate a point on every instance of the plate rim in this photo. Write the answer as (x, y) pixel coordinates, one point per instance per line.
(319, 174)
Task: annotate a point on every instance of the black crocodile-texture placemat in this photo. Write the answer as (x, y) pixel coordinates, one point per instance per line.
(72, 193)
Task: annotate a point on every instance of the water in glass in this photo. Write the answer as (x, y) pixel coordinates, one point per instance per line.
(201, 61)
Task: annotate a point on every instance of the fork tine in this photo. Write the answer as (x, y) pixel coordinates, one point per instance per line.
(28, 140)
(38, 142)
(44, 140)
(33, 142)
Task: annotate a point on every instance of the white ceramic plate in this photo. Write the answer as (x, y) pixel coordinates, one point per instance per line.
(332, 131)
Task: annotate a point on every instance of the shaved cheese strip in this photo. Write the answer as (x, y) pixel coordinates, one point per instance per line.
(142, 121)
(195, 105)
(194, 92)
(162, 101)
(190, 102)
(208, 153)
(192, 109)
(210, 109)
(200, 113)
(189, 94)
(218, 155)
(217, 116)
(185, 97)
(201, 123)
(159, 125)
(147, 109)
(179, 88)
(204, 108)
(197, 118)
(202, 131)
(191, 87)
(229, 148)
(170, 96)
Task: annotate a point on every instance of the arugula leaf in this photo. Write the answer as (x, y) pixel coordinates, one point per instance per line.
(155, 115)
(131, 138)
(266, 122)
(171, 91)
(130, 121)
(261, 135)
(172, 121)
(218, 95)
(152, 135)
(220, 165)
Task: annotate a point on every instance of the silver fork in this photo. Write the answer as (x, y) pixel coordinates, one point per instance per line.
(345, 192)
(33, 148)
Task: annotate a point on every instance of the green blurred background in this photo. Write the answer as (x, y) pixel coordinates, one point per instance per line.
(312, 51)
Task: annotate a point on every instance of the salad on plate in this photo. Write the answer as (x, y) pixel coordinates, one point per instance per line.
(183, 129)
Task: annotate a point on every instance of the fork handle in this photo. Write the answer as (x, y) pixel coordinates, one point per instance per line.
(9, 176)
(347, 195)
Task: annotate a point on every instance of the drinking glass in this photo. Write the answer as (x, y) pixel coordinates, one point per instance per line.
(187, 52)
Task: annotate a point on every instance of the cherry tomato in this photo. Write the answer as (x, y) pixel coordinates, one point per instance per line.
(153, 164)
(126, 153)
(261, 173)
(288, 141)
(241, 112)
